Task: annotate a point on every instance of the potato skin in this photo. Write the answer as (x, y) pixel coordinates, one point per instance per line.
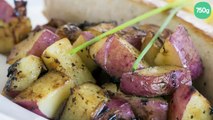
(179, 50)
(22, 74)
(154, 81)
(83, 102)
(115, 55)
(187, 103)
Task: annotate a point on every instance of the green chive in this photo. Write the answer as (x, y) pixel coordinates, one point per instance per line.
(127, 24)
(146, 49)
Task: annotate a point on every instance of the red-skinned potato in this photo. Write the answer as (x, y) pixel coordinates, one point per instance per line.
(35, 44)
(133, 35)
(116, 109)
(46, 95)
(57, 57)
(70, 31)
(188, 104)
(22, 74)
(115, 55)
(146, 108)
(179, 50)
(154, 81)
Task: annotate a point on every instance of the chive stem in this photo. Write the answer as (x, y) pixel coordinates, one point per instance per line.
(163, 26)
(127, 24)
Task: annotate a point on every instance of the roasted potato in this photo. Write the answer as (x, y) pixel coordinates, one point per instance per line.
(111, 87)
(179, 50)
(57, 57)
(13, 28)
(84, 54)
(6, 38)
(146, 108)
(154, 81)
(187, 103)
(20, 28)
(133, 35)
(70, 31)
(83, 102)
(35, 44)
(99, 27)
(22, 74)
(116, 109)
(45, 96)
(13, 32)
(115, 55)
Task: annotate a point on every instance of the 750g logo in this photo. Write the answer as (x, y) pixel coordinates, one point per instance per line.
(202, 10)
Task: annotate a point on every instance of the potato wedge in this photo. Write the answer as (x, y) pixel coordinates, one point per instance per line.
(154, 81)
(115, 55)
(187, 103)
(45, 96)
(57, 57)
(83, 102)
(35, 44)
(179, 50)
(116, 109)
(22, 74)
(84, 54)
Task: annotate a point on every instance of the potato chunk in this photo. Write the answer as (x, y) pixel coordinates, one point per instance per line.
(45, 96)
(22, 74)
(116, 109)
(179, 50)
(83, 102)
(154, 81)
(115, 55)
(57, 57)
(84, 54)
(187, 103)
(146, 108)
